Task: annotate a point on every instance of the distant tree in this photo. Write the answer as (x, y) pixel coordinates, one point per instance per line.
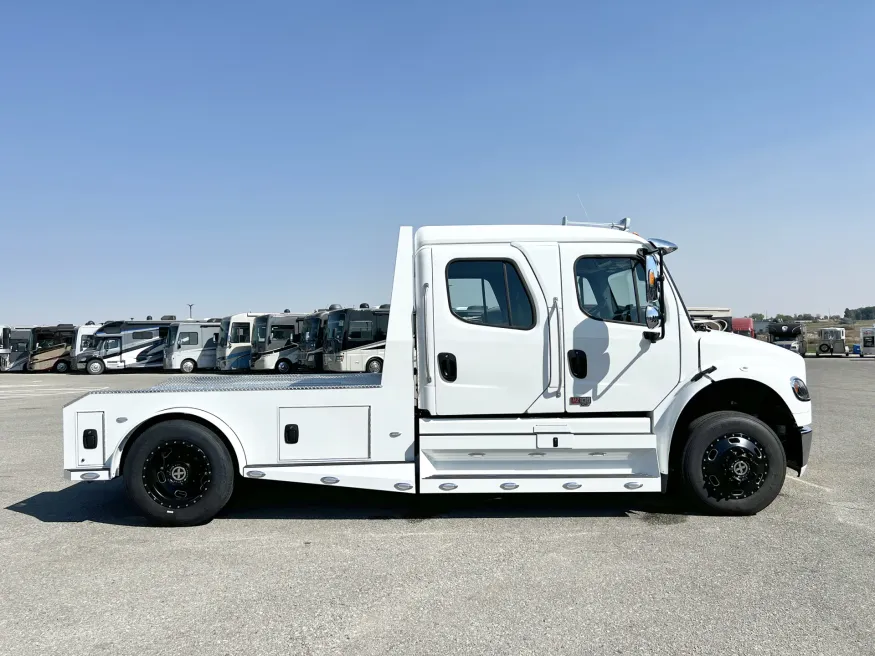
(756, 316)
(783, 318)
(861, 313)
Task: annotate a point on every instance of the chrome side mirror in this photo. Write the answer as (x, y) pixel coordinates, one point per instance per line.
(652, 317)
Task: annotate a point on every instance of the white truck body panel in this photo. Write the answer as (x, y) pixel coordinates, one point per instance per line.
(508, 415)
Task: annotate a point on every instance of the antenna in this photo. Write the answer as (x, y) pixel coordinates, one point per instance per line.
(581, 204)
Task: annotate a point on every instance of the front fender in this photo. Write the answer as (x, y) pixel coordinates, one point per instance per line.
(728, 372)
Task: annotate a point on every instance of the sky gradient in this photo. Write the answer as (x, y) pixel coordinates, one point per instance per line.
(261, 155)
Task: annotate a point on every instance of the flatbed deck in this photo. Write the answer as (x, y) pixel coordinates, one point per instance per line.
(254, 383)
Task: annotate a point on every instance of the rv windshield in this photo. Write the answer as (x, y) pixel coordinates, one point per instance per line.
(260, 330)
(312, 328)
(19, 345)
(223, 332)
(171, 336)
(333, 342)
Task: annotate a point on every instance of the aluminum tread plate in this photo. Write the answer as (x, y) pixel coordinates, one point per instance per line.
(250, 383)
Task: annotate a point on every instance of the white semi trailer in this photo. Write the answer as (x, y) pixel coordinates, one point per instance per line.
(518, 359)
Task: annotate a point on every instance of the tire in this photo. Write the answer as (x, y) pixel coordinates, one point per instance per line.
(95, 367)
(374, 366)
(733, 464)
(188, 366)
(61, 367)
(283, 367)
(156, 479)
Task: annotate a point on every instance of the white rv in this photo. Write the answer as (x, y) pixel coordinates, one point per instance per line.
(355, 339)
(191, 345)
(84, 339)
(125, 345)
(581, 372)
(275, 342)
(235, 341)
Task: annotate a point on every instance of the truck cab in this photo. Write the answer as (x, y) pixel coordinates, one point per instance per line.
(518, 359)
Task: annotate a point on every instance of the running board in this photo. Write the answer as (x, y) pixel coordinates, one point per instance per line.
(523, 484)
(389, 477)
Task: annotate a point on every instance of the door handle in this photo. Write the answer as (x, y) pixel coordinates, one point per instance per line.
(577, 363)
(89, 438)
(291, 434)
(447, 366)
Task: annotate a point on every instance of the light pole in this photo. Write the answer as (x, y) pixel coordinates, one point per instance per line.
(190, 306)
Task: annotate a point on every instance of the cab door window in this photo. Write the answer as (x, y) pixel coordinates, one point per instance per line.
(611, 288)
(490, 293)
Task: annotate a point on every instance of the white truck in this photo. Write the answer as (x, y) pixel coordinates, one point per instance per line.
(574, 367)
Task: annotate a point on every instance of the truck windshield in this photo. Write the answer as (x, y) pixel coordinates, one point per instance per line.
(223, 332)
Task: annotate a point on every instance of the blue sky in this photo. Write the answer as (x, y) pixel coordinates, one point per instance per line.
(261, 155)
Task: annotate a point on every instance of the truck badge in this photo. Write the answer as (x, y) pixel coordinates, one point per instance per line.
(584, 401)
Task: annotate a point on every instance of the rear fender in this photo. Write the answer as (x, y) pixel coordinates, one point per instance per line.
(181, 412)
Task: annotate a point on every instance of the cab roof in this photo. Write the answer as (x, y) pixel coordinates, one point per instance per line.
(484, 234)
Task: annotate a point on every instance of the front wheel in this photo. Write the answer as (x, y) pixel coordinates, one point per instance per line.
(733, 464)
(374, 366)
(179, 473)
(95, 367)
(283, 367)
(187, 366)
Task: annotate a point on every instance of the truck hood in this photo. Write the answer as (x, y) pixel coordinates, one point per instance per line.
(751, 354)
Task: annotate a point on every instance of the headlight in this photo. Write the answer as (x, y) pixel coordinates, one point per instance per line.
(800, 389)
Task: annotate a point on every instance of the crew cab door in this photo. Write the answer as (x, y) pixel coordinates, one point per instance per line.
(488, 341)
(609, 364)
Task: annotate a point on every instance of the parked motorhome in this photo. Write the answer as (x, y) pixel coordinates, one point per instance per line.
(713, 317)
(355, 339)
(542, 392)
(235, 341)
(51, 348)
(126, 345)
(312, 338)
(84, 339)
(191, 346)
(831, 341)
(275, 342)
(790, 336)
(18, 349)
(5, 344)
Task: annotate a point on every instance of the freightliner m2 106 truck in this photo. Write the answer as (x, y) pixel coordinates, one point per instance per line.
(518, 359)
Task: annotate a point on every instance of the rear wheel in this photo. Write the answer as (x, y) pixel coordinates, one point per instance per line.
(374, 366)
(188, 366)
(62, 367)
(733, 464)
(179, 473)
(283, 367)
(95, 367)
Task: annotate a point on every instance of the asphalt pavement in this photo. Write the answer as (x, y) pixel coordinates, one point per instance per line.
(291, 569)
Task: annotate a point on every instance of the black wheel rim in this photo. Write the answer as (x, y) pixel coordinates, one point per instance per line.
(284, 368)
(177, 474)
(734, 466)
